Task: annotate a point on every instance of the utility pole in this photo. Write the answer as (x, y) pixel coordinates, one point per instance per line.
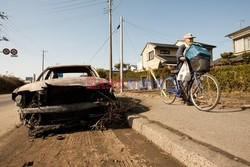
(2, 16)
(110, 40)
(121, 54)
(43, 59)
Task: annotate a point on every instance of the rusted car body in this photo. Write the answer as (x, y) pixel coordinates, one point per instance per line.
(62, 93)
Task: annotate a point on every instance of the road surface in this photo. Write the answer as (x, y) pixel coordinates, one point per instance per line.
(77, 147)
(8, 114)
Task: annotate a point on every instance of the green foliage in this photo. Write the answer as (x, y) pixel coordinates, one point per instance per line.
(117, 66)
(227, 55)
(9, 83)
(233, 78)
(227, 58)
(246, 57)
(102, 72)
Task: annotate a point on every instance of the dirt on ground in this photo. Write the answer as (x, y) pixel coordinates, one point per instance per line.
(82, 147)
(228, 99)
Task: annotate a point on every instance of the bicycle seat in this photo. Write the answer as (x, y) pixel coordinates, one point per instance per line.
(174, 71)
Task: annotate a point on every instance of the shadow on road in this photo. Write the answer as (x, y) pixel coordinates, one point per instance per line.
(229, 110)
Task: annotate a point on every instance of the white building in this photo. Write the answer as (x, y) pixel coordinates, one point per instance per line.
(241, 40)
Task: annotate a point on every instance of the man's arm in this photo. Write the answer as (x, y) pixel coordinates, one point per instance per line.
(180, 51)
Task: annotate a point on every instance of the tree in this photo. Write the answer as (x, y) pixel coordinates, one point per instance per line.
(102, 72)
(227, 57)
(117, 66)
(246, 57)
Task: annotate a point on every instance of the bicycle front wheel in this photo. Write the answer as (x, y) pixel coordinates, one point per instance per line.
(168, 90)
(205, 92)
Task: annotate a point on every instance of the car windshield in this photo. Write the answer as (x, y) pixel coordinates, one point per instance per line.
(66, 72)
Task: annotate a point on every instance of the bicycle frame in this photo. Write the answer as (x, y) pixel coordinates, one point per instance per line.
(181, 88)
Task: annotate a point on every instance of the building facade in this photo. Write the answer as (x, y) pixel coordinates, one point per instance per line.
(241, 40)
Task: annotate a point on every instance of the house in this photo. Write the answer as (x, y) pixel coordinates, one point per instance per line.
(133, 67)
(241, 40)
(155, 54)
(139, 66)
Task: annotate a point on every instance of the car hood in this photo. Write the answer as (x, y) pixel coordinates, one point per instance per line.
(76, 81)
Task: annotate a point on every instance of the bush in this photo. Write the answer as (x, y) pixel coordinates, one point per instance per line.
(102, 73)
(233, 78)
(9, 83)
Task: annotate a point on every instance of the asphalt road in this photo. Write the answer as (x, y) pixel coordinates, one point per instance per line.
(5, 100)
(9, 117)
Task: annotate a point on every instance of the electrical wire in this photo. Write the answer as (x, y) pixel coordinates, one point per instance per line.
(115, 31)
(119, 3)
(69, 9)
(155, 33)
(62, 22)
(19, 31)
(59, 3)
(131, 43)
(71, 5)
(15, 36)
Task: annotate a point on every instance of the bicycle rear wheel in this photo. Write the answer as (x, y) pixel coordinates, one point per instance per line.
(205, 92)
(168, 90)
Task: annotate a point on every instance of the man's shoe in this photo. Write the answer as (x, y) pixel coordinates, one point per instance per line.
(189, 103)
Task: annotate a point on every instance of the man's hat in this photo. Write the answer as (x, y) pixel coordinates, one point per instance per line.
(188, 36)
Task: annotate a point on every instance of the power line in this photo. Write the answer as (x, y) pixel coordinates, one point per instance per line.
(118, 4)
(23, 33)
(131, 43)
(71, 5)
(115, 31)
(59, 3)
(50, 11)
(16, 35)
(158, 34)
(66, 21)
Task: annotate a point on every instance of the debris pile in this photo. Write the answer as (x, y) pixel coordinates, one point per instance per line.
(114, 116)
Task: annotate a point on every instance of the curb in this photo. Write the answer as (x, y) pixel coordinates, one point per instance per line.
(179, 146)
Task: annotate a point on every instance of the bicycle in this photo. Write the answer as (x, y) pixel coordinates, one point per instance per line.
(203, 89)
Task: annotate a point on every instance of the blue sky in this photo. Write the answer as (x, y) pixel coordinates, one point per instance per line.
(75, 31)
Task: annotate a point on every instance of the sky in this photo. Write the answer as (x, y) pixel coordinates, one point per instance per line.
(77, 31)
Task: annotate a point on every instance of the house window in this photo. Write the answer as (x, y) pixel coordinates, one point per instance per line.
(151, 55)
(164, 52)
(247, 43)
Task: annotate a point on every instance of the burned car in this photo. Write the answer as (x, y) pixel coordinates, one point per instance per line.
(63, 93)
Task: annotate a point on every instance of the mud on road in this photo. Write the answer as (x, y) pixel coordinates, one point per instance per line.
(116, 147)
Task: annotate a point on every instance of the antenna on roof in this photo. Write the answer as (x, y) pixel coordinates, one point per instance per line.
(241, 22)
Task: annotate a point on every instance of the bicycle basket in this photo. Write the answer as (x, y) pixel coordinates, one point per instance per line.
(199, 58)
(200, 64)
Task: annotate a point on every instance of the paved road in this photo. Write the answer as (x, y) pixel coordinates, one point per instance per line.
(227, 130)
(9, 117)
(5, 100)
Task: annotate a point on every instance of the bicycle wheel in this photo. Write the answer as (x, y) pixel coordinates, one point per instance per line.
(168, 91)
(205, 92)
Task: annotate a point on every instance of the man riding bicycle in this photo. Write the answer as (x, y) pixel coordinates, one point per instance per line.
(189, 40)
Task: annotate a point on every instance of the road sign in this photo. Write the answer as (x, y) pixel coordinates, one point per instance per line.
(6, 51)
(13, 52)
